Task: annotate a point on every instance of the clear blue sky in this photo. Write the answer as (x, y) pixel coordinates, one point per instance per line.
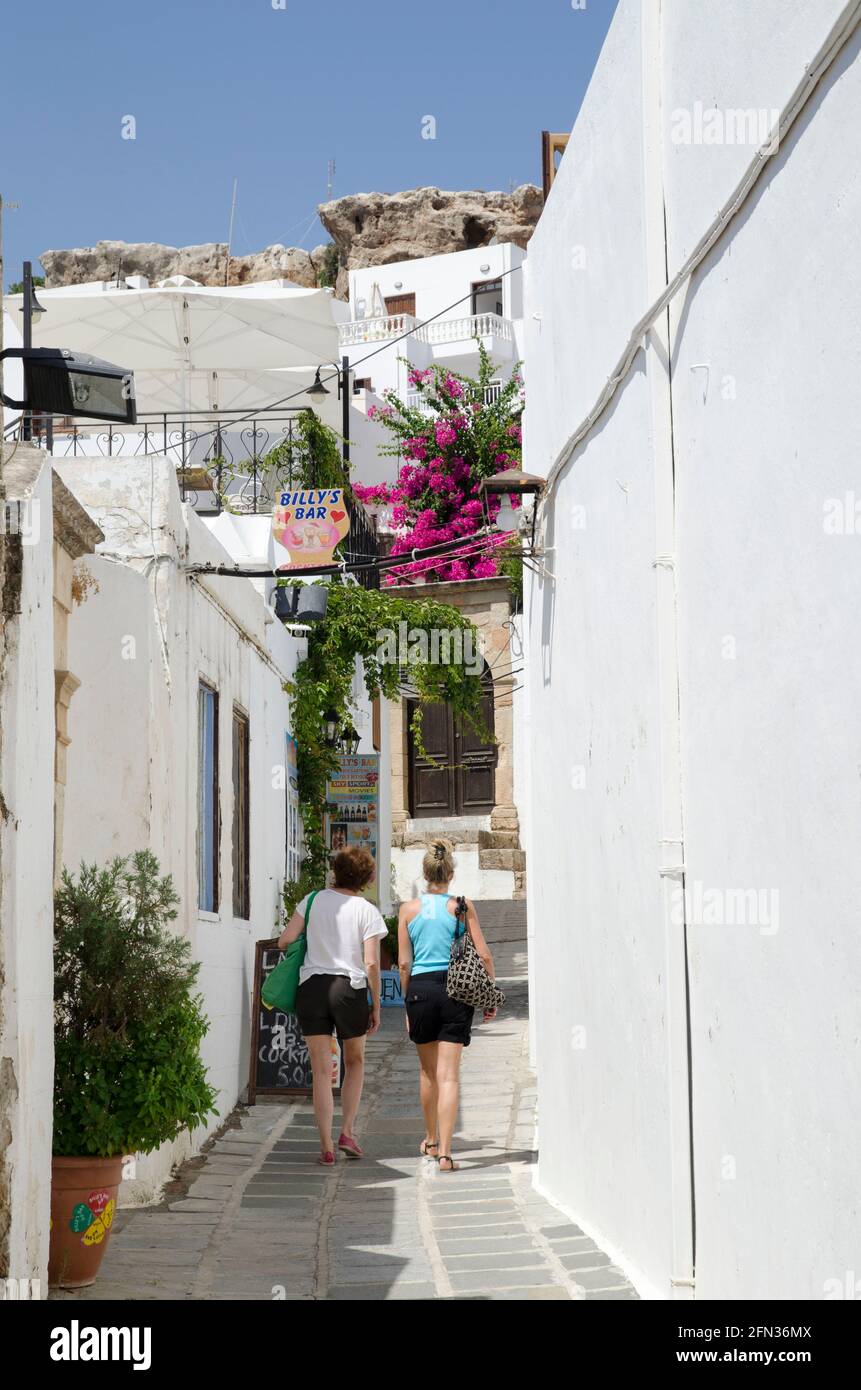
(236, 88)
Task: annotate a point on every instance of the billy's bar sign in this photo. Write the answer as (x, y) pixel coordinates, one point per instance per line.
(310, 524)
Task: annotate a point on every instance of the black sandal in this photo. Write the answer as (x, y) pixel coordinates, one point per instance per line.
(447, 1158)
(428, 1144)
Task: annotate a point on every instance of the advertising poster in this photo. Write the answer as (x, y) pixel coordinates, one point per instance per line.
(354, 804)
(310, 524)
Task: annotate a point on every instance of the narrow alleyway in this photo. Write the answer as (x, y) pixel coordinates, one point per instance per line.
(258, 1219)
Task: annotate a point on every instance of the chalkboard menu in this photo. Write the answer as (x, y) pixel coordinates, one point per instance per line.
(280, 1064)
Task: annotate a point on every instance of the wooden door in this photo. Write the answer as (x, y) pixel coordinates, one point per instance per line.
(456, 775)
(401, 304)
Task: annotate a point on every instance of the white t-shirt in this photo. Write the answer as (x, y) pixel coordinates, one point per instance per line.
(338, 928)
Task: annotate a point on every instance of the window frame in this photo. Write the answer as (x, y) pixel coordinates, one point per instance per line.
(240, 733)
(205, 689)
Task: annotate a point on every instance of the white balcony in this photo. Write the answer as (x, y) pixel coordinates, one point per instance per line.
(375, 330)
(447, 338)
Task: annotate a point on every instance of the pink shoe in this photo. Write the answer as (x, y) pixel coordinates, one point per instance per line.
(327, 1160)
(349, 1147)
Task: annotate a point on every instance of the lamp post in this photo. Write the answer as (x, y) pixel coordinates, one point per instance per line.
(32, 311)
(318, 391)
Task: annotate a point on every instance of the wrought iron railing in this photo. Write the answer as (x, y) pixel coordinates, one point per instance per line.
(223, 460)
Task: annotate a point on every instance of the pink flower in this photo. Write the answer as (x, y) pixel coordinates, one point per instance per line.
(484, 569)
(453, 386)
(416, 448)
(515, 432)
(445, 434)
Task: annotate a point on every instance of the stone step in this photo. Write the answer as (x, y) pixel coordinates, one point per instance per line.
(512, 859)
(498, 839)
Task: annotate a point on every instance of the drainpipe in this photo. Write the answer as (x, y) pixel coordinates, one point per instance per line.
(672, 847)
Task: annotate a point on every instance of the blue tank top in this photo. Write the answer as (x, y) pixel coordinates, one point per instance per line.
(431, 933)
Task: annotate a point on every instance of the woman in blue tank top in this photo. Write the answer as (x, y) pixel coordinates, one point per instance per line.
(440, 1027)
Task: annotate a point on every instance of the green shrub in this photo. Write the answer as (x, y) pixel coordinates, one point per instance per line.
(128, 1072)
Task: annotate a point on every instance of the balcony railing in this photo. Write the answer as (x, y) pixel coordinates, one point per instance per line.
(416, 401)
(375, 330)
(437, 331)
(461, 330)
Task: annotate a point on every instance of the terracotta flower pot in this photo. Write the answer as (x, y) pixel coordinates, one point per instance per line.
(83, 1207)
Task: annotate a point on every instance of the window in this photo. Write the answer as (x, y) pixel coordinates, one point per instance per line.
(362, 383)
(241, 818)
(207, 798)
(487, 297)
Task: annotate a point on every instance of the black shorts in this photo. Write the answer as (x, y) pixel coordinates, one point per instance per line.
(433, 1017)
(326, 1003)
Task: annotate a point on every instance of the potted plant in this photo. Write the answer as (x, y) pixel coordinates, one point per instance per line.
(128, 1072)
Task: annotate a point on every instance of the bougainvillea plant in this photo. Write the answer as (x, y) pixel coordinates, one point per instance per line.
(459, 432)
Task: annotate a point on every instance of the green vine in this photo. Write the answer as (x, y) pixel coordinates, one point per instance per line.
(357, 621)
(310, 457)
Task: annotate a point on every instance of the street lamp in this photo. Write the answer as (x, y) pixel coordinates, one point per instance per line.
(511, 482)
(350, 741)
(318, 392)
(331, 725)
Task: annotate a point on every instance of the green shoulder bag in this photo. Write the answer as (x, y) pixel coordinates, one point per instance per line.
(280, 986)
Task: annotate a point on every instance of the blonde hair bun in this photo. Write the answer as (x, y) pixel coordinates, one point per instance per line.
(438, 863)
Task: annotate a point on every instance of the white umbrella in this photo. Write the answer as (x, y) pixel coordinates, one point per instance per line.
(195, 348)
(251, 328)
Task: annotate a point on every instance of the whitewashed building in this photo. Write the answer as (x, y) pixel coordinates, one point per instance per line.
(180, 738)
(692, 341)
(430, 310)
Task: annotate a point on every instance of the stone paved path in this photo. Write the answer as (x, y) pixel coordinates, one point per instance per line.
(260, 1220)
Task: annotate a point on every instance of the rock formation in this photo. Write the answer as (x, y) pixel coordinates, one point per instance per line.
(379, 228)
(206, 264)
(366, 228)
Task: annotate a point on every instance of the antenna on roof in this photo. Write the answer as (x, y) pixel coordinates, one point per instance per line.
(331, 183)
(230, 233)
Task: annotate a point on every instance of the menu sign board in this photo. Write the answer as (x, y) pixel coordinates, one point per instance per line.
(353, 818)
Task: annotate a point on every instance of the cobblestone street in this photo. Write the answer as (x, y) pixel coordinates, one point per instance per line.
(260, 1220)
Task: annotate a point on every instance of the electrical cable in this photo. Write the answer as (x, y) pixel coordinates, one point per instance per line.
(303, 391)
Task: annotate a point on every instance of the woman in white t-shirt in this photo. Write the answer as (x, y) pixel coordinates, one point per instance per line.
(342, 962)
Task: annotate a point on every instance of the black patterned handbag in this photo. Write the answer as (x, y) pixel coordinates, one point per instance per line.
(468, 981)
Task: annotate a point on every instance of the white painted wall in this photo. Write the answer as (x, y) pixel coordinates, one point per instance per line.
(133, 759)
(769, 751)
(27, 891)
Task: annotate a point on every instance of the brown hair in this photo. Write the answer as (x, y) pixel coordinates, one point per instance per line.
(353, 868)
(438, 863)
